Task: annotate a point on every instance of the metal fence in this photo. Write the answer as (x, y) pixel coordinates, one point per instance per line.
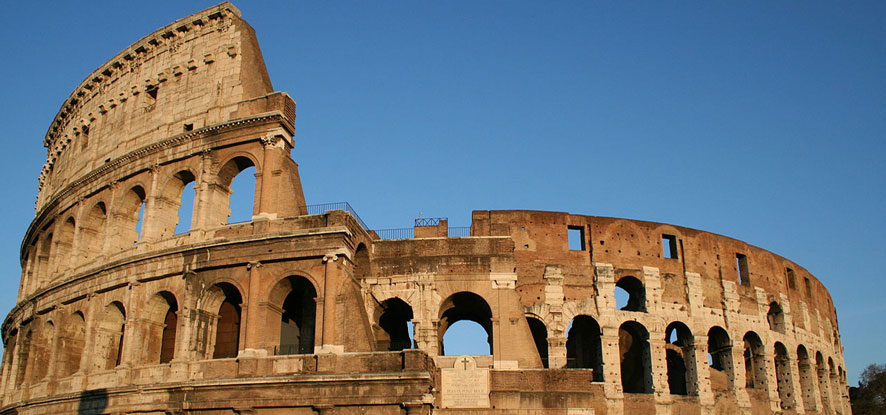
(409, 233)
(400, 233)
(326, 207)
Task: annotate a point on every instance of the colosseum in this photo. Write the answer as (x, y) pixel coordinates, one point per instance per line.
(304, 310)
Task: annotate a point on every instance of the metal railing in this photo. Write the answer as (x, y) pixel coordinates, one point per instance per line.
(409, 233)
(387, 234)
(400, 233)
(326, 207)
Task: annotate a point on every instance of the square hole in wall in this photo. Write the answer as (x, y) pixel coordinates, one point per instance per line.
(669, 246)
(741, 265)
(576, 238)
(792, 283)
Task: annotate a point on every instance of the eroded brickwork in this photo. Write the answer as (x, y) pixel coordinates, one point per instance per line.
(297, 313)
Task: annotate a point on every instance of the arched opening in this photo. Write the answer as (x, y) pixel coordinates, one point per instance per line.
(91, 228)
(170, 324)
(9, 352)
(227, 319)
(833, 384)
(807, 378)
(823, 388)
(584, 347)
(680, 358)
(540, 337)
(395, 321)
(162, 325)
(754, 362)
(783, 377)
(238, 179)
(635, 358)
(466, 338)
(72, 344)
(40, 352)
(173, 210)
(110, 333)
(361, 262)
(633, 289)
(130, 214)
(28, 269)
(720, 359)
(43, 256)
(64, 245)
(775, 317)
(298, 317)
(22, 354)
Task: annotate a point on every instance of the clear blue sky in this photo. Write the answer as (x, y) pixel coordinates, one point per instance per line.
(763, 121)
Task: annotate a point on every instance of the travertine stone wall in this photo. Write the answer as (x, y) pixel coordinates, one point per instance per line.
(314, 314)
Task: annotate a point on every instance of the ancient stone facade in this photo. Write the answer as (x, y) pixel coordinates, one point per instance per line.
(298, 313)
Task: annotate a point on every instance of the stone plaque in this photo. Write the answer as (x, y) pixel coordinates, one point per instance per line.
(464, 386)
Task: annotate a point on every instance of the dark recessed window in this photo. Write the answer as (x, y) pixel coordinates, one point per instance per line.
(576, 238)
(669, 246)
(792, 283)
(741, 265)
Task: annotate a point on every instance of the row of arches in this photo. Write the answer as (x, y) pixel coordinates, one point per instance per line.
(114, 337)
(584, 350)
(630, 295)
(115, 221)
(465, 325)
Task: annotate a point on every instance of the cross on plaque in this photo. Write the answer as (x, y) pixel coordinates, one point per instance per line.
(465, 362)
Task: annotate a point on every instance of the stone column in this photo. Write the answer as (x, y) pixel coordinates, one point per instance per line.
(659, 366)
(739, 377)
(811, 397)
(265, 187)
(771, 379)
(153, 197)
(203, 198)
(557, 356)
(185, 331)
(54, 346)
(826, 401)
(426, 336)
(791, 382)
(107, 227)
(254, 326)
(702, 385)
(132, 348)
(612, 370)
(331, 280)
(91, 317)
(652, 283)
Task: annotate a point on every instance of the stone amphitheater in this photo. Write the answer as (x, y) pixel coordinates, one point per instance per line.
(304, 310)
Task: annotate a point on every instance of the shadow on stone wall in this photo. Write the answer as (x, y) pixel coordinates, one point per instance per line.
(93, 402)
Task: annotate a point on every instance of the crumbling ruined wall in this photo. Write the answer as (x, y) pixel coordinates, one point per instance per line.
(291, 312)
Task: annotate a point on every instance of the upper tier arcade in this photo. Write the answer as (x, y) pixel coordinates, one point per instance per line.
(197, 72)
(190, 103)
